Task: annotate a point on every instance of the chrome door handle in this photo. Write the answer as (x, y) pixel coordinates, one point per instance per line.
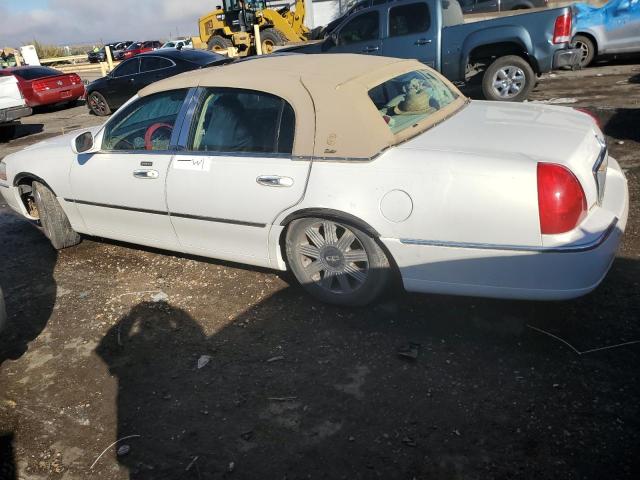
(370, 49)
(146, 174)
(274, 181)
(423, 41)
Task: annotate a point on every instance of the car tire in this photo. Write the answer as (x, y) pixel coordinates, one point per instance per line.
(587, 49)
(54, 221)
(98, 104)
(218, 43)
(336, 262)
(270, 38)
(508, 79)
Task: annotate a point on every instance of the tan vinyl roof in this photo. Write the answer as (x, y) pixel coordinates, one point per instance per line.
(329, 93)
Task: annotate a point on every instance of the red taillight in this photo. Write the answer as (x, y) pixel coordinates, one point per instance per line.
(561, 201)
(562, 29)
(75, 79)
(39, 86)
(591, 114)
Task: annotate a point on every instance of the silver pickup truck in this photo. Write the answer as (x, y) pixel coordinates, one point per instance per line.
(12, 106)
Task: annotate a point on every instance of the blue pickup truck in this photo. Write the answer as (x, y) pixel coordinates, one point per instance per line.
(508, 51)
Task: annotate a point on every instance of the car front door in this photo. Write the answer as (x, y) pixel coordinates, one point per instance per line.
(360, 34)
(623, 27)
(409, 33)
(122, 83)
(236, 174)
(120, 190)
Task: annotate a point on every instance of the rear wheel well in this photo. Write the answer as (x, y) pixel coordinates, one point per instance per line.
(590, 37)
(487, 54)
(337, 216)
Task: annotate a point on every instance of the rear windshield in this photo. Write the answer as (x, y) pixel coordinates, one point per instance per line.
(411, 97)
(36, 72)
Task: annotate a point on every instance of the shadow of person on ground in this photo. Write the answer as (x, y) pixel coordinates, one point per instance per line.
(624, 124)
(7, 460)
(26, 276)
(291, 388)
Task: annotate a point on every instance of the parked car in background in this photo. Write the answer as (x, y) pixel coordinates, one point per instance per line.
(611, 29)
(140, 47)
(185, 43)
(487, 6)
(12, 106)
(46, 86)
(509, 50)
(107, 94)
(97, 56)
(119, 48)
(348, 169)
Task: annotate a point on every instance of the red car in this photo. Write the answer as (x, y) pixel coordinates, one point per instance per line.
(140, 47)
(46, 86)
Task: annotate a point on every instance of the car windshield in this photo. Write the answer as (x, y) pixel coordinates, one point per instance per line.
(169, 45)
(409, 98)
(133, 46)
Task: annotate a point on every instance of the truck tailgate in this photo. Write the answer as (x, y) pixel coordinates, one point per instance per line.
(10, 95)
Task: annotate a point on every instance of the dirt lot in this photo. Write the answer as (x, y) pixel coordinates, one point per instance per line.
(106, 341)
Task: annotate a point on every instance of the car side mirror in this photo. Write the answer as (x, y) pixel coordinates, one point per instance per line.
(83, 143)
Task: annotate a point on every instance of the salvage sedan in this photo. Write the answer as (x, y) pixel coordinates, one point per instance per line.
(46, 86)
(346, 169)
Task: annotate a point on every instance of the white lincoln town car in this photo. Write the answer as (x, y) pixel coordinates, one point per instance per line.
(346, 169)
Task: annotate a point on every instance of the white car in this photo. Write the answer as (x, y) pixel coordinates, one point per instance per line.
(12, 106)
(346, 169)
(177, 44)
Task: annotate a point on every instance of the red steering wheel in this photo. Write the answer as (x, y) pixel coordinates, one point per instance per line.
(148, 136)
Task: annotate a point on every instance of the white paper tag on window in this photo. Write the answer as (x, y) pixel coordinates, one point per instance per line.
(199, 164)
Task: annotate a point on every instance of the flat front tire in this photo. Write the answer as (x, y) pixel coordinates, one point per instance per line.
(336, 262)
(54, 221)
(508, 79)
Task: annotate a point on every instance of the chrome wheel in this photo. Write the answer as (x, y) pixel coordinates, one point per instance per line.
(584, 51)
(508, 81)
(333, 257)
(98, 104)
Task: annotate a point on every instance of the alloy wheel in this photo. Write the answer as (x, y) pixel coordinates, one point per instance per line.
(333, 257)
(508, 81)
(98, 105)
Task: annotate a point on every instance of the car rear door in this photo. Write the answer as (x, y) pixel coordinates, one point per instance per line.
(154, 68)
(120, 190)
(411, 33)
(235, 175)
(360, 34)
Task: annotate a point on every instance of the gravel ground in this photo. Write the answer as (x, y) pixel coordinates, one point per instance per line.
(210, 370)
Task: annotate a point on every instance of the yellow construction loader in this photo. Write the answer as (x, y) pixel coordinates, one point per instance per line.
(231, 24)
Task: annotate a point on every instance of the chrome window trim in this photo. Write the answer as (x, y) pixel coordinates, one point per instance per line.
(584, 247)
(173, 64)
(602, 157)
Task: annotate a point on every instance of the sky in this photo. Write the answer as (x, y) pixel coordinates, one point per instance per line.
(68, 22)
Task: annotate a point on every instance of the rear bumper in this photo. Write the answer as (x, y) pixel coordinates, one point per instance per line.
(567, 57)
(544, 273)
(10, 114)
(57, 96)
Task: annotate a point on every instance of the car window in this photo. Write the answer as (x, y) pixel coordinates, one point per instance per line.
(234, 120)
(408, 19)
(411, 97)
(145, 124)
(32, 73)
(154, 63)
(128, 67)
(134, 46)
(362, 28)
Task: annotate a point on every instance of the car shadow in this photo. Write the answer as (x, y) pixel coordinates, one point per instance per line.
(292, 388)
(623, 124)
(28, 283)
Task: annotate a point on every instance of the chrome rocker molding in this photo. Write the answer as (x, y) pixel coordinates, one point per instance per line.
(585, 247)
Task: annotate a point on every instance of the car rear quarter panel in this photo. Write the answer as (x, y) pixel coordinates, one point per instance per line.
(455, 197)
